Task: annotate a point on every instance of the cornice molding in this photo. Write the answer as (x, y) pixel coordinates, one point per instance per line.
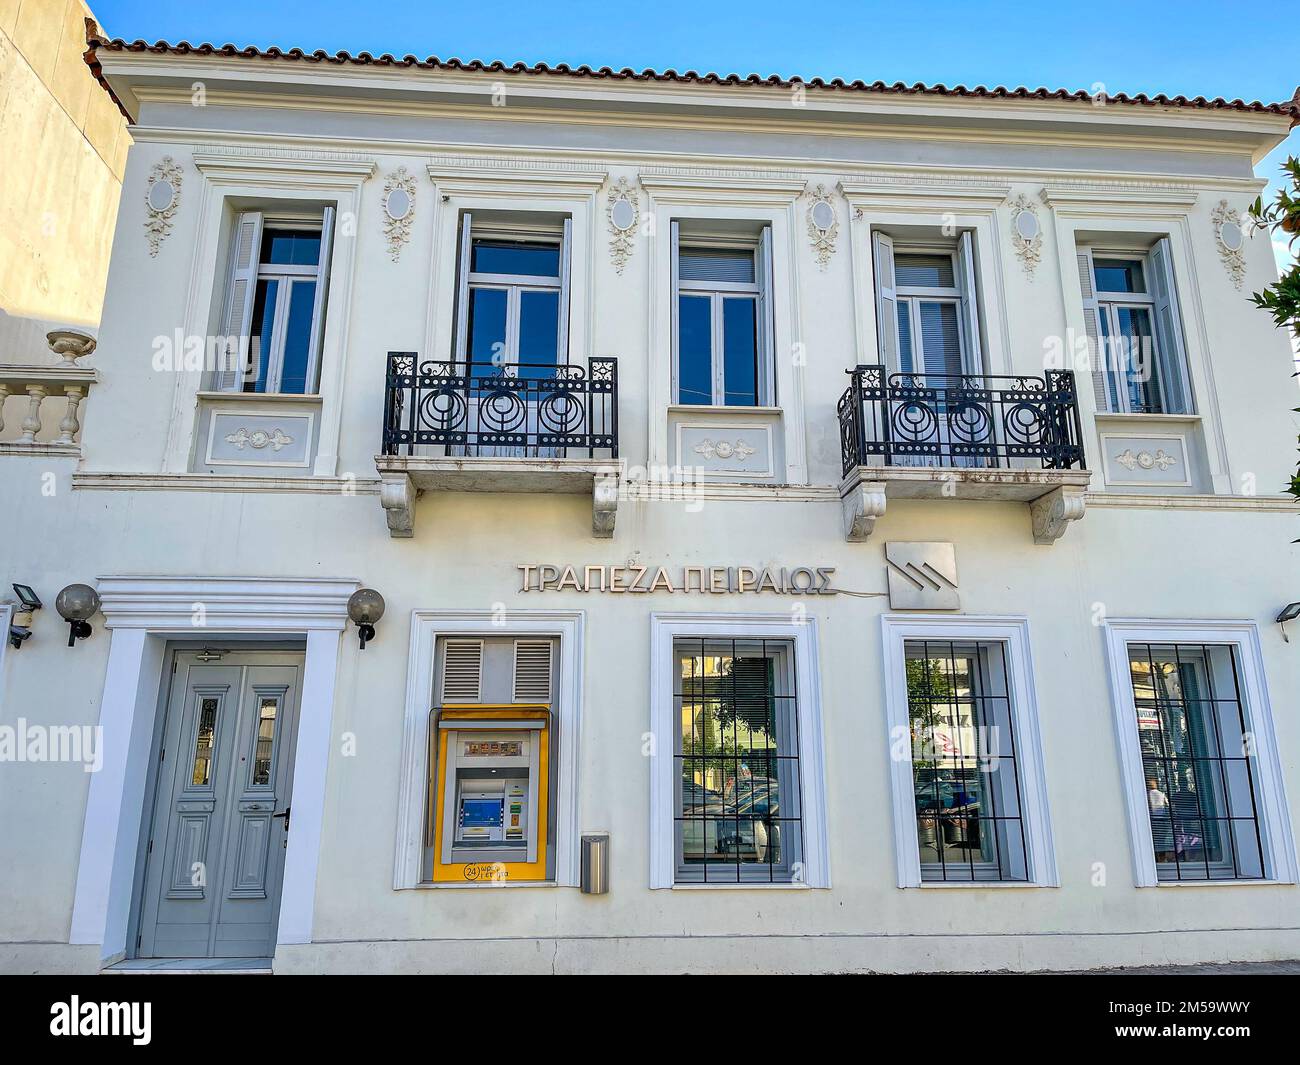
(203, 482)
(216, 604)
(787, 183)
(456, 171)
(236, 161)
(922, 192)
(1088, 197)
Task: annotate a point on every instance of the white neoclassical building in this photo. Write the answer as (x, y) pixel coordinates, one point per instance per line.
(820, 527)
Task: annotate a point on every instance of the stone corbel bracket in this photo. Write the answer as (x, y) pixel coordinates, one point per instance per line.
(604, 505)
(861, 503)
(397, 495)
(1051, 514)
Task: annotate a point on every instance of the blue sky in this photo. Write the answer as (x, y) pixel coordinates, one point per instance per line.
(1195, 48)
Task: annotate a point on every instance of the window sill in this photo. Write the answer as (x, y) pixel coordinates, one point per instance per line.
(1219, 883)
(495, 885)
(1128, 416)
(967, 885)
(742, 887)
(713, 410)
(213, 396)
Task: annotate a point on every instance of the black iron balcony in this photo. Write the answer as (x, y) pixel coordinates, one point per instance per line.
(520, 410)
(964, 421)
(521, 427)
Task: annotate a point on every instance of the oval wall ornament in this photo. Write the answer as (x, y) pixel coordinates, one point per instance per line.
(162, 198)
(1230, 239)
(399, 210)
(623, 214)
(1026, 233)
(823, 225)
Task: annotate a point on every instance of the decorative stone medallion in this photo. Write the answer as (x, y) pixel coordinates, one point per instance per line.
(161, 200)
(1230, 239)
(399, 210)
(724, 449)
(258, 439)
(823, 225)
(623, 214)
(1026, 233)
(1146, 460)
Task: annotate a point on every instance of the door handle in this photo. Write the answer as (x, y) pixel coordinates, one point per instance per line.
(285, 814)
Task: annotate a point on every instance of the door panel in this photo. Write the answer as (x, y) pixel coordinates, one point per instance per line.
(216, 855)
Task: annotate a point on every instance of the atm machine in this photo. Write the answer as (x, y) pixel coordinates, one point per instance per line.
(489, 796)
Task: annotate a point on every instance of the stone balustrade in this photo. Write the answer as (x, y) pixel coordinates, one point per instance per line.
(34, 432)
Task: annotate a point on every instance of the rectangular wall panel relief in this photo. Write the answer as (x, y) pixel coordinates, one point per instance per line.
(189, 869)
(249, 880)
(1146, 460)
(727, 449)
(259, 438)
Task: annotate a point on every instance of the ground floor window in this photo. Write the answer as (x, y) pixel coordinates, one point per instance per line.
(1201, 767)
(969, 823)
(966, 764)
(737, 751)
(1201, 788)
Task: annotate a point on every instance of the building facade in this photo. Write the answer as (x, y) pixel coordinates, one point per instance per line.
(820, 527)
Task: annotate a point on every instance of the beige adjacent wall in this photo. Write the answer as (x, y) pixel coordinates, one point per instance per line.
(64, 146)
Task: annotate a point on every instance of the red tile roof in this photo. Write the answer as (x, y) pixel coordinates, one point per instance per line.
(97, 43)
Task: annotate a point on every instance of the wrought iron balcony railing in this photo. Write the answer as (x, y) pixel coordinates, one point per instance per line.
(968, 421)
(519, 410)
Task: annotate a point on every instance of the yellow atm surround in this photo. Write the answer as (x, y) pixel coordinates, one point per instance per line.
(482, 832)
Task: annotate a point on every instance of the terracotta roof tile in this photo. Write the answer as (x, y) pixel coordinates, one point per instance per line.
(97, 43)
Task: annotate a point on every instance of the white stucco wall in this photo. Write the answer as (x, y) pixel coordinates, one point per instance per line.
(1209, 556)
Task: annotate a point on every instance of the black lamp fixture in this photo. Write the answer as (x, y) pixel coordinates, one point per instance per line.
(75, 604)
(1289, 613)
(365, 607)
(28, 601)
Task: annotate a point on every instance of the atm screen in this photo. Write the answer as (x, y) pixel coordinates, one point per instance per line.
(480, 813)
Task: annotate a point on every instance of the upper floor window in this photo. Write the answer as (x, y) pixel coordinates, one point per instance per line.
(1131, 313)
(278, 280)
(513, 296)
(927, 310)
(723, 327)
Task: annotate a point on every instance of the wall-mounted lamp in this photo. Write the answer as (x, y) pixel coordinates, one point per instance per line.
(75, 604)
(28, 601)
(1289, 613)
(365, 607)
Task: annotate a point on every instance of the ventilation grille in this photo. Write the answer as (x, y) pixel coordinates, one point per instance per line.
(532, 671)
(462, 671)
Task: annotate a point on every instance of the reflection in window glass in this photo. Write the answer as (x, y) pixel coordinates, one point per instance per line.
(515, 258)
(965, 768)
(259, 346)
(539, 330)
(266, 713)
(695, 350)
(1200, 784)
(297, 338)
(740, 351)
(738, 816)
(201, 772)
(291, 247)
(487, 327)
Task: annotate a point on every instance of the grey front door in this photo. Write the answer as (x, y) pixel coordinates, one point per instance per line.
(215, 856)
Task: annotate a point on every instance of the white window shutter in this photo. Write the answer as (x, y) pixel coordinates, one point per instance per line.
(532, 671)
(462, 290)
(674, 252)
(566, 269)
(322, 296)
(766, 322)
(972, 356)
(1102, 382)
(462, 671)
(241, 287)
(1172, 352)
(882, 257)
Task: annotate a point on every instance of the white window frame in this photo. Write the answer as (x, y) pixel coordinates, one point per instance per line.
(1013, 634)
(665, 630)
(760, 289)
(567, 627)
(1274, 817)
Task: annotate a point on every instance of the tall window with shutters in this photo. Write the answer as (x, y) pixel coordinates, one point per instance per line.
(1135, 335)
(723, 320)
(927, 308)
(273, 317)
